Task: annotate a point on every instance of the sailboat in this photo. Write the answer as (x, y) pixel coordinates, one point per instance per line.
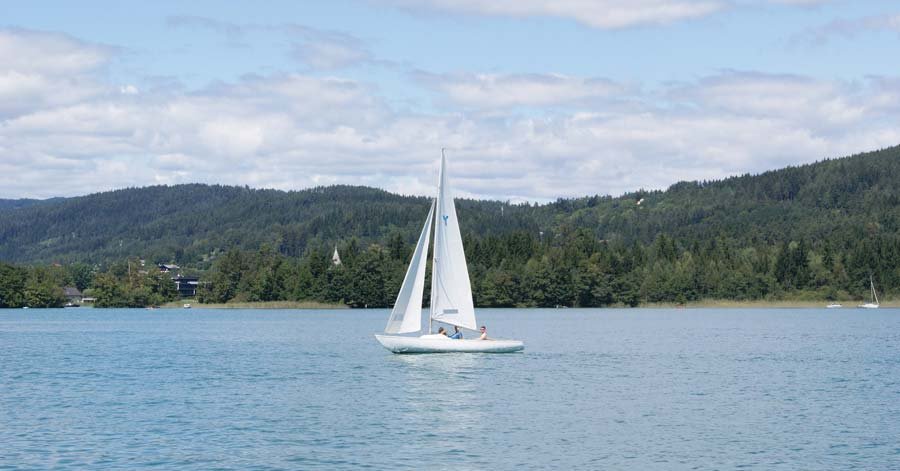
(874, 304)
(451, 291)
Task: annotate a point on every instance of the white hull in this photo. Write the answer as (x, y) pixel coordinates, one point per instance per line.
(432, 344)
(874, 303)
(834, 306)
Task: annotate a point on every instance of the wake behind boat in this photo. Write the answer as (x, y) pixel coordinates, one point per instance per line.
(451, 291)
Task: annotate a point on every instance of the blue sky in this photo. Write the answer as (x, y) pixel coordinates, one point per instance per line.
(534, 99)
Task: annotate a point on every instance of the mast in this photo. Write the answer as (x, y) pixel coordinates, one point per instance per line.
(874, 294)
(434, 259)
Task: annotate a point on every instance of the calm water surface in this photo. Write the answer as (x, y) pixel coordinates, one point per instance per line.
(594, 389)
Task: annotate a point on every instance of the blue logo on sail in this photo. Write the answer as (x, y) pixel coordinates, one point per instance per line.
(445, 219)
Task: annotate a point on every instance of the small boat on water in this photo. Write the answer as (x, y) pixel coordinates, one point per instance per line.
(451, 291)
(186, 306)
(834, 306)
(874, 304)
(439, 343)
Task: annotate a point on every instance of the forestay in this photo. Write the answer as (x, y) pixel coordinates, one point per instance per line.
(407, 313)
(451, 292)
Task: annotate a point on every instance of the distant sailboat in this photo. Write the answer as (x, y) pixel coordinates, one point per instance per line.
(451, 291)
(874, 304)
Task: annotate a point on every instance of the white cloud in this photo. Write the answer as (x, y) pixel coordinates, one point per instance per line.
(326, 50)
(316, 48)
(501, 91)
(231, 31)
(39, 52)
(328, 55)
(605, 14)
(851, 28)
(293, 131)
(817, 104)
(45, 69)
(601, 14)
(801, 2)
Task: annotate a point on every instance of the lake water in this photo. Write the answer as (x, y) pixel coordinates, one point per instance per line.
(595, 389)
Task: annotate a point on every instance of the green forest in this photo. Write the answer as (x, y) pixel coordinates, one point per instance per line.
(812, 232)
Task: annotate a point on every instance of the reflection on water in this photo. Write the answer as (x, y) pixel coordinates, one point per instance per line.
(438, 396)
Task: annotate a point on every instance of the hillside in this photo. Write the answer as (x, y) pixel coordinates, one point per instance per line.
(840, 199)
(21, 203)
(813, 232)
(189, 223)
(844, 198)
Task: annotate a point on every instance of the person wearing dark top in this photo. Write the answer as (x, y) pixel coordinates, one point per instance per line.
(457, 334)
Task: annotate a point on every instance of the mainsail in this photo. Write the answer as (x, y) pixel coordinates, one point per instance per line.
(407, 313)
(451, 292)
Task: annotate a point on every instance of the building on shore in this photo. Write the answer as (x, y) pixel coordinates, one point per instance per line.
(167, 267)
(186, 285)
(73, 295)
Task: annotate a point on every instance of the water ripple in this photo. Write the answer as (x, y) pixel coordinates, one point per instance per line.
(595, 389)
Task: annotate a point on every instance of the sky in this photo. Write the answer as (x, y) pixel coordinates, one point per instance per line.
(533, 100)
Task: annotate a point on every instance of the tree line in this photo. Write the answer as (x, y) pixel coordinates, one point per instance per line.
(517, 269)
(40, 286)
(573, 269)
(815, 231)
(123, 284)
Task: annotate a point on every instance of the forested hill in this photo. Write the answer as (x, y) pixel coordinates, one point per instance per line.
(190, 223)
(839, 200)
(21, 203)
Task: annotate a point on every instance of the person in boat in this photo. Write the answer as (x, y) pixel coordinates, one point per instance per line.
(484, 334)
(442, 331)
(457, 334)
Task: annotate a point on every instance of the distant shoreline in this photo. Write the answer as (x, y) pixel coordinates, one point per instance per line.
(704, 304)
(762, 303)
(701, 304)
(255, 305)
